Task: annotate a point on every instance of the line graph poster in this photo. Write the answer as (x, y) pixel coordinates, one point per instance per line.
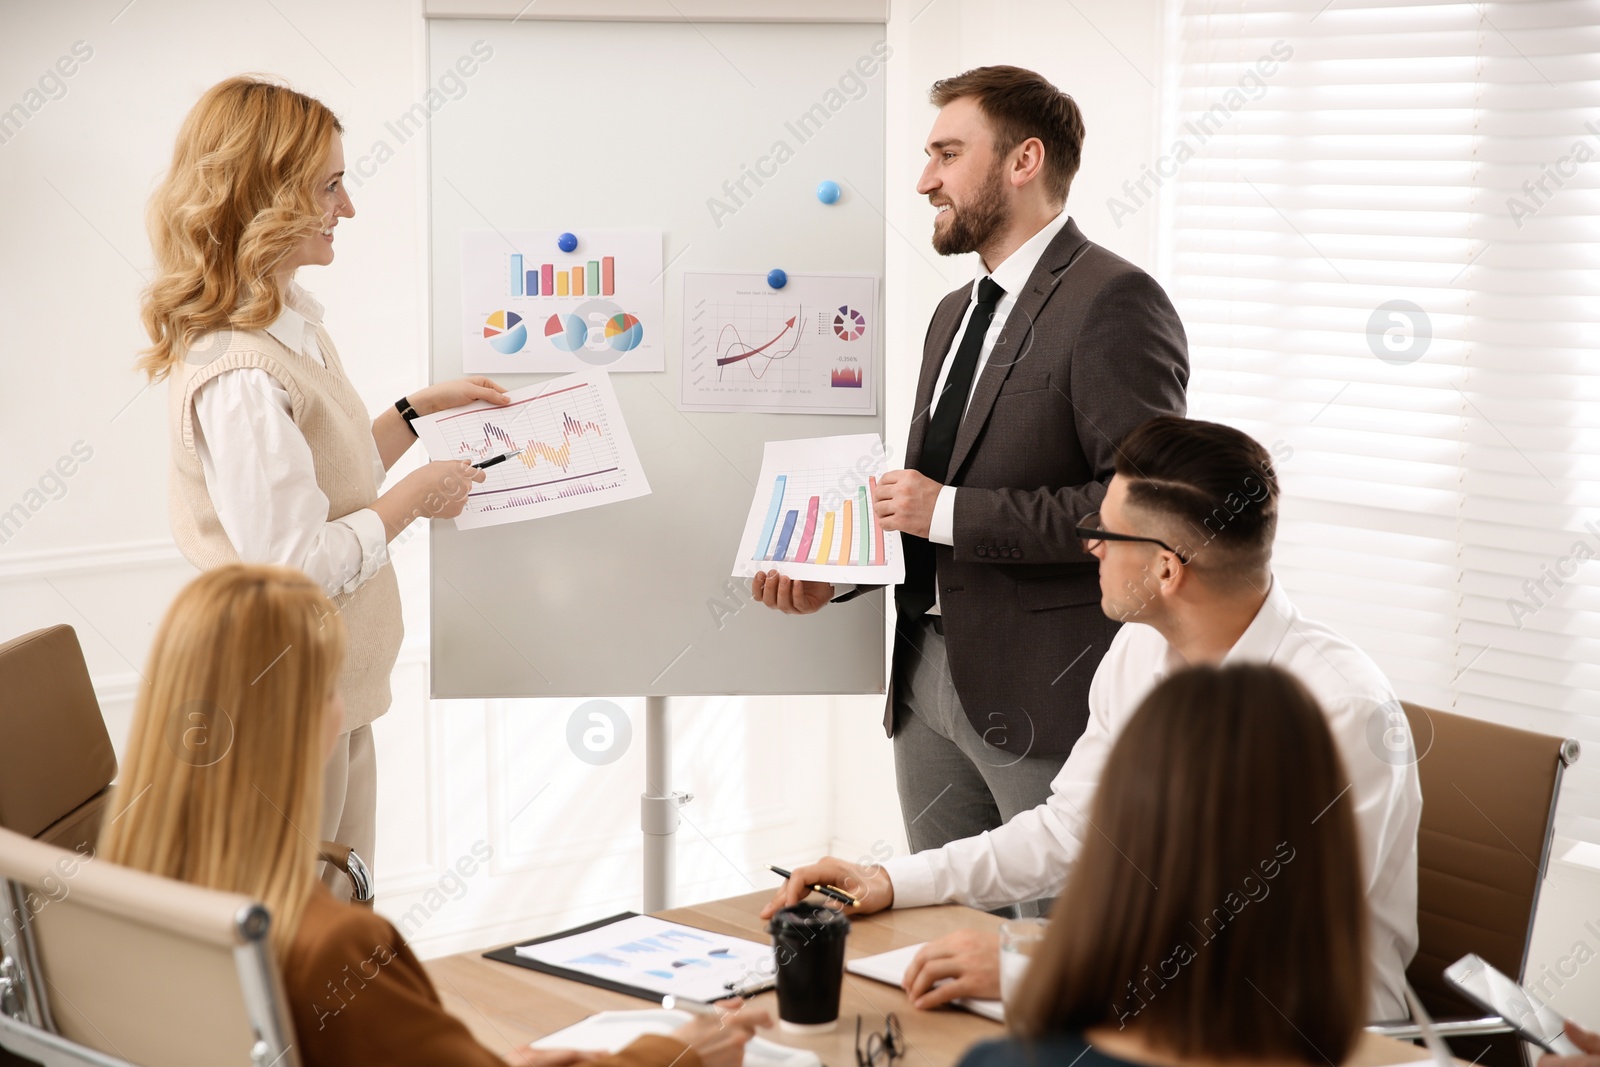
(570, 450)
(808, 348)
(812, 516)
(528, 306)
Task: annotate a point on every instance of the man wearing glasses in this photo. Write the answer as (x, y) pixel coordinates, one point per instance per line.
(1030, 375)
(1184, 541)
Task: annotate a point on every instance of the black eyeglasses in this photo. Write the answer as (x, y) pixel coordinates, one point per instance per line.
(1093, 535)
(881, 1048)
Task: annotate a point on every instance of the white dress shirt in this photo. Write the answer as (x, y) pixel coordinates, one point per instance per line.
(1030, 857)
(1011, 275)
(260, 475)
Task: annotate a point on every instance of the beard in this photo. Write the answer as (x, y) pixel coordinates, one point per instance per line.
(973, 225)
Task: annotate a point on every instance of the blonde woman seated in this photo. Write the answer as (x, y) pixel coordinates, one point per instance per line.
(1217, 915)
(248, 660)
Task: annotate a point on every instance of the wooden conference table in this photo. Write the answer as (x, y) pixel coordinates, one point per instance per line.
(504, 1005)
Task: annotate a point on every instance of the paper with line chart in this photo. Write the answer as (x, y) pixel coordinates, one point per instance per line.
(812, 514)
(570, 450)
(808, 348)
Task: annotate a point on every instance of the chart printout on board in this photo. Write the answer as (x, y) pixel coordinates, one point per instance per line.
(810, 347)
(570, 450)
(528, 306)
(812, 515)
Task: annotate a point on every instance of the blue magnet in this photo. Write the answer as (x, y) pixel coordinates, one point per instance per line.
(828, 192)
(777, 279)
(567, 242)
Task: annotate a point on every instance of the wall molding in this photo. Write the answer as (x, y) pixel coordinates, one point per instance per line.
(88, 559)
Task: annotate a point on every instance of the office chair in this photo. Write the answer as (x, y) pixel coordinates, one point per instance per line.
(110, 967)
(56, 759)
(1489, 796)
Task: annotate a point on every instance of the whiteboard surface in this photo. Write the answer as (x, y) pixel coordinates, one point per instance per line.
(578, 124)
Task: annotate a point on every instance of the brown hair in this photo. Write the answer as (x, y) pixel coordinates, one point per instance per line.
(1218, 905)
(240, 194)
(1215, 487)
(1020, 104)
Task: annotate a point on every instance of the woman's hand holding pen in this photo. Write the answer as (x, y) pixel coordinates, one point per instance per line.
(436, 490)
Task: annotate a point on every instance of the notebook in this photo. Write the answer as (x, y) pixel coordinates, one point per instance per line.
(891, 966)
(610, 1031)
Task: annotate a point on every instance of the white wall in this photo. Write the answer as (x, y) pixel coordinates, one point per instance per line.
(73, 257)
(97, 552)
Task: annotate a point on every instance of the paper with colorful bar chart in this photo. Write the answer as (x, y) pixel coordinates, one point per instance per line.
(528, 306)
(812, 514)
(808, 348)
(569, 450)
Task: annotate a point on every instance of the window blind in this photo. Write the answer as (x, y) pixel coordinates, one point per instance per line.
(1380, 222)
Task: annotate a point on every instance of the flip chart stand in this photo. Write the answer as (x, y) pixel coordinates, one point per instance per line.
(658, 807)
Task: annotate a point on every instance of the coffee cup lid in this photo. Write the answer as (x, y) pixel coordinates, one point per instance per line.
(813, 919)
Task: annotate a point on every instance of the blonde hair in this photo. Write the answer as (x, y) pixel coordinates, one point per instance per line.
(222, 782)
(239, 196)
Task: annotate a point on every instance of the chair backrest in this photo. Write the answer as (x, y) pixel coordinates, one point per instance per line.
(140, 968)
(56, 759)
(1489, 797)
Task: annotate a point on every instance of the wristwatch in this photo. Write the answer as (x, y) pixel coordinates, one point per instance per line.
(407, 412)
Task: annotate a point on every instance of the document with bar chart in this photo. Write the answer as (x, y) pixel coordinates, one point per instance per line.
(528, 306)
(808, 348)
(569, 450)
(812, 514)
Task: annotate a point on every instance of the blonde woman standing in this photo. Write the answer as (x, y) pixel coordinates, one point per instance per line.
(254, 654)
(274, 459)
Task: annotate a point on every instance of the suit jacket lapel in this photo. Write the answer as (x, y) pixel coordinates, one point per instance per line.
(941, 334)
(1012, 345)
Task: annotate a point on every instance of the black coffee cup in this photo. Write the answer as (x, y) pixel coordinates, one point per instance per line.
(808, 945)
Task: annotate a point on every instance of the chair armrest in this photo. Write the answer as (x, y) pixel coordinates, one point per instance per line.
(347, 860)
(52, 1050)
(1406, 1030)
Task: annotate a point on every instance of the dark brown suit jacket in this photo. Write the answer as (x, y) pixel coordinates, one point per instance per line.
(1091, 349)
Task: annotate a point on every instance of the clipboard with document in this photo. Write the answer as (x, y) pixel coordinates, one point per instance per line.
(646, 957)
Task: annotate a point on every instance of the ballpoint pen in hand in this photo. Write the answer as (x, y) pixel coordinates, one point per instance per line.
(492, 460)
(832, 892)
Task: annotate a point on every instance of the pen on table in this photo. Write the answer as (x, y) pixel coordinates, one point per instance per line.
(670, 1002)
(832, 892)
(492, 460)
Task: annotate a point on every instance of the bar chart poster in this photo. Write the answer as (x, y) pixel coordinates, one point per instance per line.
(527, 306)
(566, 445)
(812, 515)
(810, 347)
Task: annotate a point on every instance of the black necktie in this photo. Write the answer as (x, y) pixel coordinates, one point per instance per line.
(915, 595)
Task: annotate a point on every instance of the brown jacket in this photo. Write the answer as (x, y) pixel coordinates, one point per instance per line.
(1092, 348)
(358, 995)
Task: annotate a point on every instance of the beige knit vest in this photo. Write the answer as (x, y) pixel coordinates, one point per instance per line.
(328, 411)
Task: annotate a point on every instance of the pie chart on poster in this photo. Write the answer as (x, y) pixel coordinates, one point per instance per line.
(849, 324)
(566, 332)
(505, 332)
(624, 332)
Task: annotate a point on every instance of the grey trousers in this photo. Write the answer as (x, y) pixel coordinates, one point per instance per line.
(952, 783)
